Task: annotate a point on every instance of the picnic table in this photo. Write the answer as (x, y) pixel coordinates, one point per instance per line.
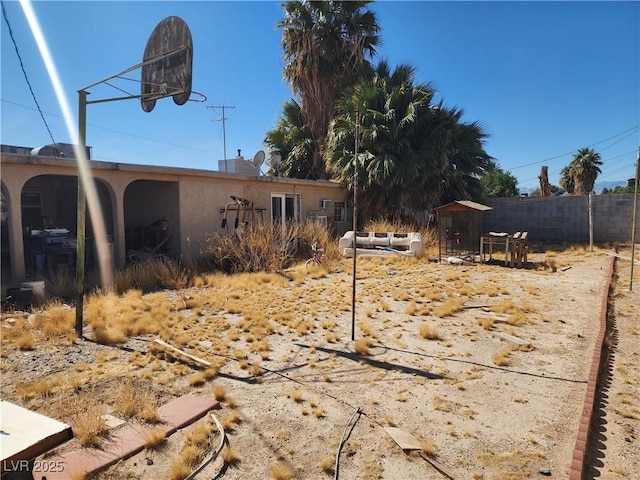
(515, 247)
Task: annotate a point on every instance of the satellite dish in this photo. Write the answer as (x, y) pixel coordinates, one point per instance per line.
(170, 75)
(274, 162)
(258, 158)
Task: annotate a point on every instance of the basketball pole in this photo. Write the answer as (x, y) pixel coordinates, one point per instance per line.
(82, 199)
(82, 214)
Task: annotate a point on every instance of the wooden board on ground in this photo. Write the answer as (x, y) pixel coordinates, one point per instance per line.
(405, 440)
(183, 353)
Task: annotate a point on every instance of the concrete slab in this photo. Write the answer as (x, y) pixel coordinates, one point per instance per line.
(25, 434)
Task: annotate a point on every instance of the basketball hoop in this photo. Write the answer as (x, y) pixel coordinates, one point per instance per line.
(167, 64)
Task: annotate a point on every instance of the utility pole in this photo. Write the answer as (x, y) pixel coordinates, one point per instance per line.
(224, 133)
(633, 220)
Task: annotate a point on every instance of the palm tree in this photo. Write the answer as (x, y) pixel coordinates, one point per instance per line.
(585, 168)
(566, 179)
(414, 153)
(325, 45)
(291, 140)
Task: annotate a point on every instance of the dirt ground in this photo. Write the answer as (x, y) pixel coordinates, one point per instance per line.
(485, 366)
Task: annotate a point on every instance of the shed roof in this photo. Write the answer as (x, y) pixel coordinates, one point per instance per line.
(462, 206)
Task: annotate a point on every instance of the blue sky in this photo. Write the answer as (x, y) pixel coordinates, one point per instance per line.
(543, 78)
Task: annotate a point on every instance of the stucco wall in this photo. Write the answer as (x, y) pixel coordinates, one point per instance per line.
(191, 199)
(564, 218)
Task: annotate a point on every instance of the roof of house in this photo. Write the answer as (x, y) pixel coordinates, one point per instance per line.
(463, 205)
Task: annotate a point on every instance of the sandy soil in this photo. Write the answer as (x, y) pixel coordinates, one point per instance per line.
(497, 395)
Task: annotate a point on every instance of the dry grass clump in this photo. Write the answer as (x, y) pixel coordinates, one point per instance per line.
(196, 444)
(327, 463)
(88, 424)
(25, 341)
(428, 448)
(428, 332)
(295, 395)
(501, 358)
(152, 274)
(219, 391)
(448, 307)
(486, 322)
(154, 439)
(41, 388)
(281, 471)
(382, 225)
(362, 345)
(131, 400)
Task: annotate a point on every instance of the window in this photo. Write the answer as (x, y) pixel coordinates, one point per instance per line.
(285, 207)
(340, 211)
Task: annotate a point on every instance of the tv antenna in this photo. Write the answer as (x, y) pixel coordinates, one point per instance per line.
(224, 132)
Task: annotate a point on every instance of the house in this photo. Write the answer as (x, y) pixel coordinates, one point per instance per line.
(146, 208)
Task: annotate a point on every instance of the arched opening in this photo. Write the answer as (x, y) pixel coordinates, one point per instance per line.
(5, 248)
(151, 219)
(49, 207)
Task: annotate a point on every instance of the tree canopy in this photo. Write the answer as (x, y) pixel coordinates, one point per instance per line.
(325, 45)
(580, 175)
(498, 183)
(413, 154)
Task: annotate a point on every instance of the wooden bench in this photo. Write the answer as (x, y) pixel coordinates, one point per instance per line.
(518, 249)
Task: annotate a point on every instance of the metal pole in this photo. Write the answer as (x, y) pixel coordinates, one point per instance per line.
(590, 225)
(82, 211)
(355, 228)
(633, 221)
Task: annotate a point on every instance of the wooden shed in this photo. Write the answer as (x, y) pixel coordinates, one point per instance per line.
(460, 226)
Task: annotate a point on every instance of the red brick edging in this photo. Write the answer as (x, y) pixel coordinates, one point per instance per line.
(125, 442)
(584, 430)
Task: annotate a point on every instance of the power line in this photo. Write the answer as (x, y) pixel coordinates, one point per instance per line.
(116, 131)
(575, 150)
(24, 72)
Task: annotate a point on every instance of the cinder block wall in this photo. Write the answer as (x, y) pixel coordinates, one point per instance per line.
(564, 218)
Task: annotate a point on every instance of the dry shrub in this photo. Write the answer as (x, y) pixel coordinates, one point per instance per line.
(230, 456)
(153, 274)
(383, 225)
(501, 358)
(295, 395)
(313, 232)
(260, 247)
(42, 387)
(61, 284)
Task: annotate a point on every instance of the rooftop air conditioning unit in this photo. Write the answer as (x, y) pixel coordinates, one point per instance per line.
(324, 204)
